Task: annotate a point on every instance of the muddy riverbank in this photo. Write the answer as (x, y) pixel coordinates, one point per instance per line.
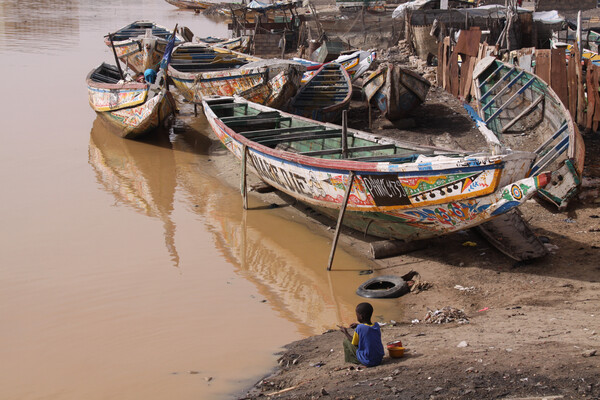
(533, 329)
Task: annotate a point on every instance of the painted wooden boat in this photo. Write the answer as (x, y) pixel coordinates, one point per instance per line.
(393, 189)
(355, 63)
(141, 44)
(199, 71)
(134, 108)
(241, 43)
(396, 91)
(325, 95)
(523, 112)
(190, 4)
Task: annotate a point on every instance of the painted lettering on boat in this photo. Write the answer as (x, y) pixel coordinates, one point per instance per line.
(289, 180)
(454, 214)
(386, 190)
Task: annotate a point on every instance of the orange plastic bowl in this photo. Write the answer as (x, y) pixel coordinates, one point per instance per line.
(396, 352)
(395, 343)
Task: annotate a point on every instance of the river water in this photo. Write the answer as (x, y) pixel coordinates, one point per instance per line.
(127, 268)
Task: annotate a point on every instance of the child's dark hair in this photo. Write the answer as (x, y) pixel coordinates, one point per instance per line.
(365, 310)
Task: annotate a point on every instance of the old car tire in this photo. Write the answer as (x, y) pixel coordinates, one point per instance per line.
(383, 287)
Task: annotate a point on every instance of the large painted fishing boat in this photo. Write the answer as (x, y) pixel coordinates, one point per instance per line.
(396, 90)
(520, 111)
(356, 63)
(387, 188)
(133, 108)
(200, 71)
(325, 95)
(141, 44)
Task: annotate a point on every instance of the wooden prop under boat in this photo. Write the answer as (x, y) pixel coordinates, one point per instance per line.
(133, 107)
(141, 44)
(397, 91)
(524, 113)
(325, 95)
(199, 71)
(397, 189)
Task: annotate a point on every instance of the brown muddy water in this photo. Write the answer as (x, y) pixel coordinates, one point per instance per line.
(128, 268)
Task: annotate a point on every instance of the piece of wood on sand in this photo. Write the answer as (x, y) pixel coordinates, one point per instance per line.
(391, 248)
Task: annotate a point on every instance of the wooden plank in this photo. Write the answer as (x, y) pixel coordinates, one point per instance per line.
(468, 42)
(350, 150)
(440, 64)
(558, 74)
(580, 90)
(453, 74)
(595, 79)
(468, 77)
(572, 87)
(542, 65)
(446, 81)
(591, 99)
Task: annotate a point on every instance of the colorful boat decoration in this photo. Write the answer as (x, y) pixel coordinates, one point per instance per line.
(190, 4)
(199, 71)
(355, 63)
(141, 44)
(392, 189)
(134, 108)
(325, 95)
(396, 91)
(523, 112)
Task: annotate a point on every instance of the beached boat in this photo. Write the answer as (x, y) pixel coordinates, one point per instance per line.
(355, 63)
(325, 95)
(524, 113)
(199, 71)
(134, 108)
(190, 4)
(388, 188)
(141, 44)
(396, 91)
(241, 43)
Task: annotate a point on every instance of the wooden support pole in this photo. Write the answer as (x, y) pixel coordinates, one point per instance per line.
(195, 110)
(244, 187)
(344, 133)
(340, 218)
(112, 45)
(370, 118)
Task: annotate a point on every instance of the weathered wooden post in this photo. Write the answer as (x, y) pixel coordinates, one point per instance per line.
(340, 218)
(344, 133)
(243, 184)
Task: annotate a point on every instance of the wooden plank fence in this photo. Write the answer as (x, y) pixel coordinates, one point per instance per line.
(576, 84)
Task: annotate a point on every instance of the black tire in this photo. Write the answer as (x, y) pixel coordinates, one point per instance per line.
(383, 287)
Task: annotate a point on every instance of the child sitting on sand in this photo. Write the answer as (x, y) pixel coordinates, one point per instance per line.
(365, 346)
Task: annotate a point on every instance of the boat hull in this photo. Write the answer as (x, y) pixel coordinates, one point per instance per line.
(525, 113)
(405, 201)
(396, 91)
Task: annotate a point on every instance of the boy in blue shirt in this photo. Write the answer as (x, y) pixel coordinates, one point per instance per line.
(365, 346)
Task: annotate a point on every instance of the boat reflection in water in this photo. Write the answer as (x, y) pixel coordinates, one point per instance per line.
(138, 174)
(284, 260)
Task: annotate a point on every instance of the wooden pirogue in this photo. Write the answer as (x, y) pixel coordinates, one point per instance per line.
(134, 108)
(199, 71)
(524, 113)
(395, 90)
(141, 44)
(390, 189)
(325, 95)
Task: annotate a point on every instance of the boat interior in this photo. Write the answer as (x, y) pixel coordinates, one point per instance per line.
(283, 132)
(329, 87)
(518, 107)
(139, 29)
(106, 73)
(198, 58)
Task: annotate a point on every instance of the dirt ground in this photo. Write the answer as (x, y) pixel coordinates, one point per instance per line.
(532, 330)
